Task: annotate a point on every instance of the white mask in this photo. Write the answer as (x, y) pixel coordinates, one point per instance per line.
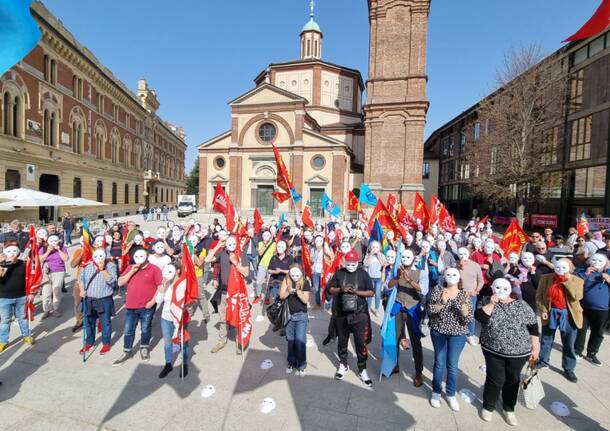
(390, 257)
(266, 236)
(138, 239)
(197, 228)
(447, 236)
(99, 257)
(169, 272)
(41, 234)
(419, 235)
(331, 235)
(513, 258)
(273, 230)
(358, 233)
(222, 235)
(193, 239)
(307, 235)
(345, 247)
(409, 239)
(351, 266)
(527, 259)
(295, 274)
(457, 237)
(463, 253)
(441, 245)
(140, 256)
(170, 224)
(231, 244)
(176, 235)
(375, 246)
(425, 246)
(108, 239)
(452, 276)
(159, 248)
(476, 242)
(281, 247)
(458, 231)
(599, 262)
(318, 241)
(11, 251)
(217, 228)
(501, 288)
(489, 248)
(161, 233)
(98, 242)
(53, 240)
(562, 267)
(390, 235)
(146, 233)
(434, 230)
(407, 258)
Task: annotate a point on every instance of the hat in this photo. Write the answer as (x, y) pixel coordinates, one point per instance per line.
(352, 256)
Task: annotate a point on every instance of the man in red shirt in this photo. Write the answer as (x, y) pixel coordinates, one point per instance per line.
(489, 261)
(143, 280)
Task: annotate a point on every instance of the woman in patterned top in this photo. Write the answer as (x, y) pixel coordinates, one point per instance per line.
(449, 312)
(509, 336)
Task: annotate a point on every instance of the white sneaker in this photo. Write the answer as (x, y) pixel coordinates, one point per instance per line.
(486, 415)
(472, 340)
(511, 419)
(364, 376)
(289, 369)
(301, 373)
(453, 403)
(341, 371)
(435, 400)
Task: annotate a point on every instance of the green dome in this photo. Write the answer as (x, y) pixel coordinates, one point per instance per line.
(311, 25)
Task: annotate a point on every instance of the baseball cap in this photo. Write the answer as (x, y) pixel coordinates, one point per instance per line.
(352, 256)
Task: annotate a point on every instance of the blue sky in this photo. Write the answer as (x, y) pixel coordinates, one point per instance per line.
(199, 54)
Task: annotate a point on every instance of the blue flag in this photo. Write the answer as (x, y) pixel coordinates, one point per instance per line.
(366, 195)
(389, 353)
(376, 232)
(295, 196)
(19, 32)
(329, 206)
(282, 220)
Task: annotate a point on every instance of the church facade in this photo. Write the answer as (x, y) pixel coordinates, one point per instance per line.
(312, 111)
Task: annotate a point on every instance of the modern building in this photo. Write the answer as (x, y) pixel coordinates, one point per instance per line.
(578, 145)
(68, 126)
(312, 110)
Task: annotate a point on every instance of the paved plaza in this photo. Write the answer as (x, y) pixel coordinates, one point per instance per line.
(48, 387)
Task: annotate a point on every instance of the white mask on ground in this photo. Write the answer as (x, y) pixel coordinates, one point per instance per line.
(140, 256)
(390, 257)
(295, 274)
(407, 258)
(281, 247)
(527, 259)
(452, 276)
(463, 254)
(501, 288)
(99, 257)
(231, 244)
(169, 272)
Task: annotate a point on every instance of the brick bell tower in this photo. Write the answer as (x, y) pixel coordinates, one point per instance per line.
(395, 113)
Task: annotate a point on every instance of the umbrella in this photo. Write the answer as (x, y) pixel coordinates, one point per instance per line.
(7, 206)
(82, 202)
(33, 198)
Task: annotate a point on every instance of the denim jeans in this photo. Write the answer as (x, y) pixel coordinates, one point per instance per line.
(447, 350)
(132, 316)
(104, 317)
(472, 325)
(377, 287)
(296, 335)
(316, 280)
(568, 339)
(68, 237)
(167, 328)
(10, 307)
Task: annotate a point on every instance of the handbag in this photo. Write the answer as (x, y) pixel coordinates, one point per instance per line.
(532, 390)
(349, 301)
(278, 314)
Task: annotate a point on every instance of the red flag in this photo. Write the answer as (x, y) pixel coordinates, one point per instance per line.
(328, 270)
(33, 272)
(353, 203)
(596, 24)
(258, 221)
(583, 225)
(220, 200)
(283, 180)
(435, 209)
(185, 291)
(484, 220)
(124, 261)
(444, 219)
(306, 258)
(306, 217)
(514, 238)
(420, 211)
(231, 216)
(405, 219)
(386, 220)
(238, 309)
(392, 204)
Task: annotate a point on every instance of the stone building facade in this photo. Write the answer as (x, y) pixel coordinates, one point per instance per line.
(69, 126)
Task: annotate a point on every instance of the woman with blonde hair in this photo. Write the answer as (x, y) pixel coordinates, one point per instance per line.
(295, 289)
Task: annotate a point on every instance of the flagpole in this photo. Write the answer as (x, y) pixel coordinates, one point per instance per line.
(84, 332)
(182, 346)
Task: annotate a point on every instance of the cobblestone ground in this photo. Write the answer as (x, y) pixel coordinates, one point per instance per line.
(48, 387)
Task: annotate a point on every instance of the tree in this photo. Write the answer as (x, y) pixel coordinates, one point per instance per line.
(192, 182)
(522, 118)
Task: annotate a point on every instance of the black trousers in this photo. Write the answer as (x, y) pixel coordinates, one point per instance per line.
(403, 319)
(503, 376)
(357, 324)
(597, 321)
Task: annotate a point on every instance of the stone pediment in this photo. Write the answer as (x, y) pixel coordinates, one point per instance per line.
(317, 180)
(219, 179)
(267, 94)
(222, 140)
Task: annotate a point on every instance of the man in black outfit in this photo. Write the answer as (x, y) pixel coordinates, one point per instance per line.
(350, 287)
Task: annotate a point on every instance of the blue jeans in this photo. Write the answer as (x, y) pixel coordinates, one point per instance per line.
(316, 286)
(568, 339)
(10, 307)
(447, 351)
(68, 237)
(167, 328)
(132, 316)
(472, 325)
(104, 320)
(377, 287)
(296, 335)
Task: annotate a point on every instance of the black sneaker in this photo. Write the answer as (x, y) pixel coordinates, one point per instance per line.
(144, 354)
(593, 359)
(569, 374)
(124, 357)
(327, 340)
(165, 371)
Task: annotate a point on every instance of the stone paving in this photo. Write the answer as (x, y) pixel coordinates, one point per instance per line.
(48, 387)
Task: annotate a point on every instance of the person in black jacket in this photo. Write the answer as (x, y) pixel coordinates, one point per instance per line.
(350, 288)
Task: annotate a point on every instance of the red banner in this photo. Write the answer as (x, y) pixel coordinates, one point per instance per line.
(543, 220)
(503, 220)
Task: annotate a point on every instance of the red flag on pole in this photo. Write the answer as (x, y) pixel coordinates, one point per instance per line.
(306, 257)
(33, 272)
(238, 309)
(124, 261)
(231, 216)
(420, 211)
(435, 210)
(283, 180)
(596, 24)
(392, 204)
(258, 221)
(514, 238)
(306, 217)
(185, 291)
(353, 203)
(220, 199)
(386, 220)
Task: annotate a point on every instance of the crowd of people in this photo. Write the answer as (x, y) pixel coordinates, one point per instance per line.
(455, 287)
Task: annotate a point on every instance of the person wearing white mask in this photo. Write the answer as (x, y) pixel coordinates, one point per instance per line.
(374, 262)
(53, 257)
(96, 286)
(509, 338)
(13, 298)
(142, 280)
(319, 252)
(558, 298)
(450, 314)
(296, 290)
(445, 257)
(159, 257)
(529, 278)
(386, 273)
(225, 254)
(596, 297)
(266, 250)
(472, 283)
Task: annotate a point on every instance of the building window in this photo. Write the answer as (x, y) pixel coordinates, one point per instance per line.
(77, 90)
(100, 103)
(50, 70)
(589, 182)
(115, 112)
(100, 191)
(76, 187)
(315, 201)
(49, 128)
(12, 179)
(267, 132)
(308, 47)
(99, 143)
(450, 146)
(576, 91)
(114, 194)
(137, 194)
(219, 163)
(462, 142)
(425, 170)
(6, 110)
(318, 162)
(77, 137)
(126, 193)
(477, 131)
(580, 141)
(550, 146)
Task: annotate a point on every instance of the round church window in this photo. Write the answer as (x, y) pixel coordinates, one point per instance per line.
(219, 163)
(267, 132)
(318, 162)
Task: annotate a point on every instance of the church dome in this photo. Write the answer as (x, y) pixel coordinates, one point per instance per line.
(311, 25)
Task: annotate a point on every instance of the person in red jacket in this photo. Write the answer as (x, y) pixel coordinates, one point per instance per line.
(489, 261)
